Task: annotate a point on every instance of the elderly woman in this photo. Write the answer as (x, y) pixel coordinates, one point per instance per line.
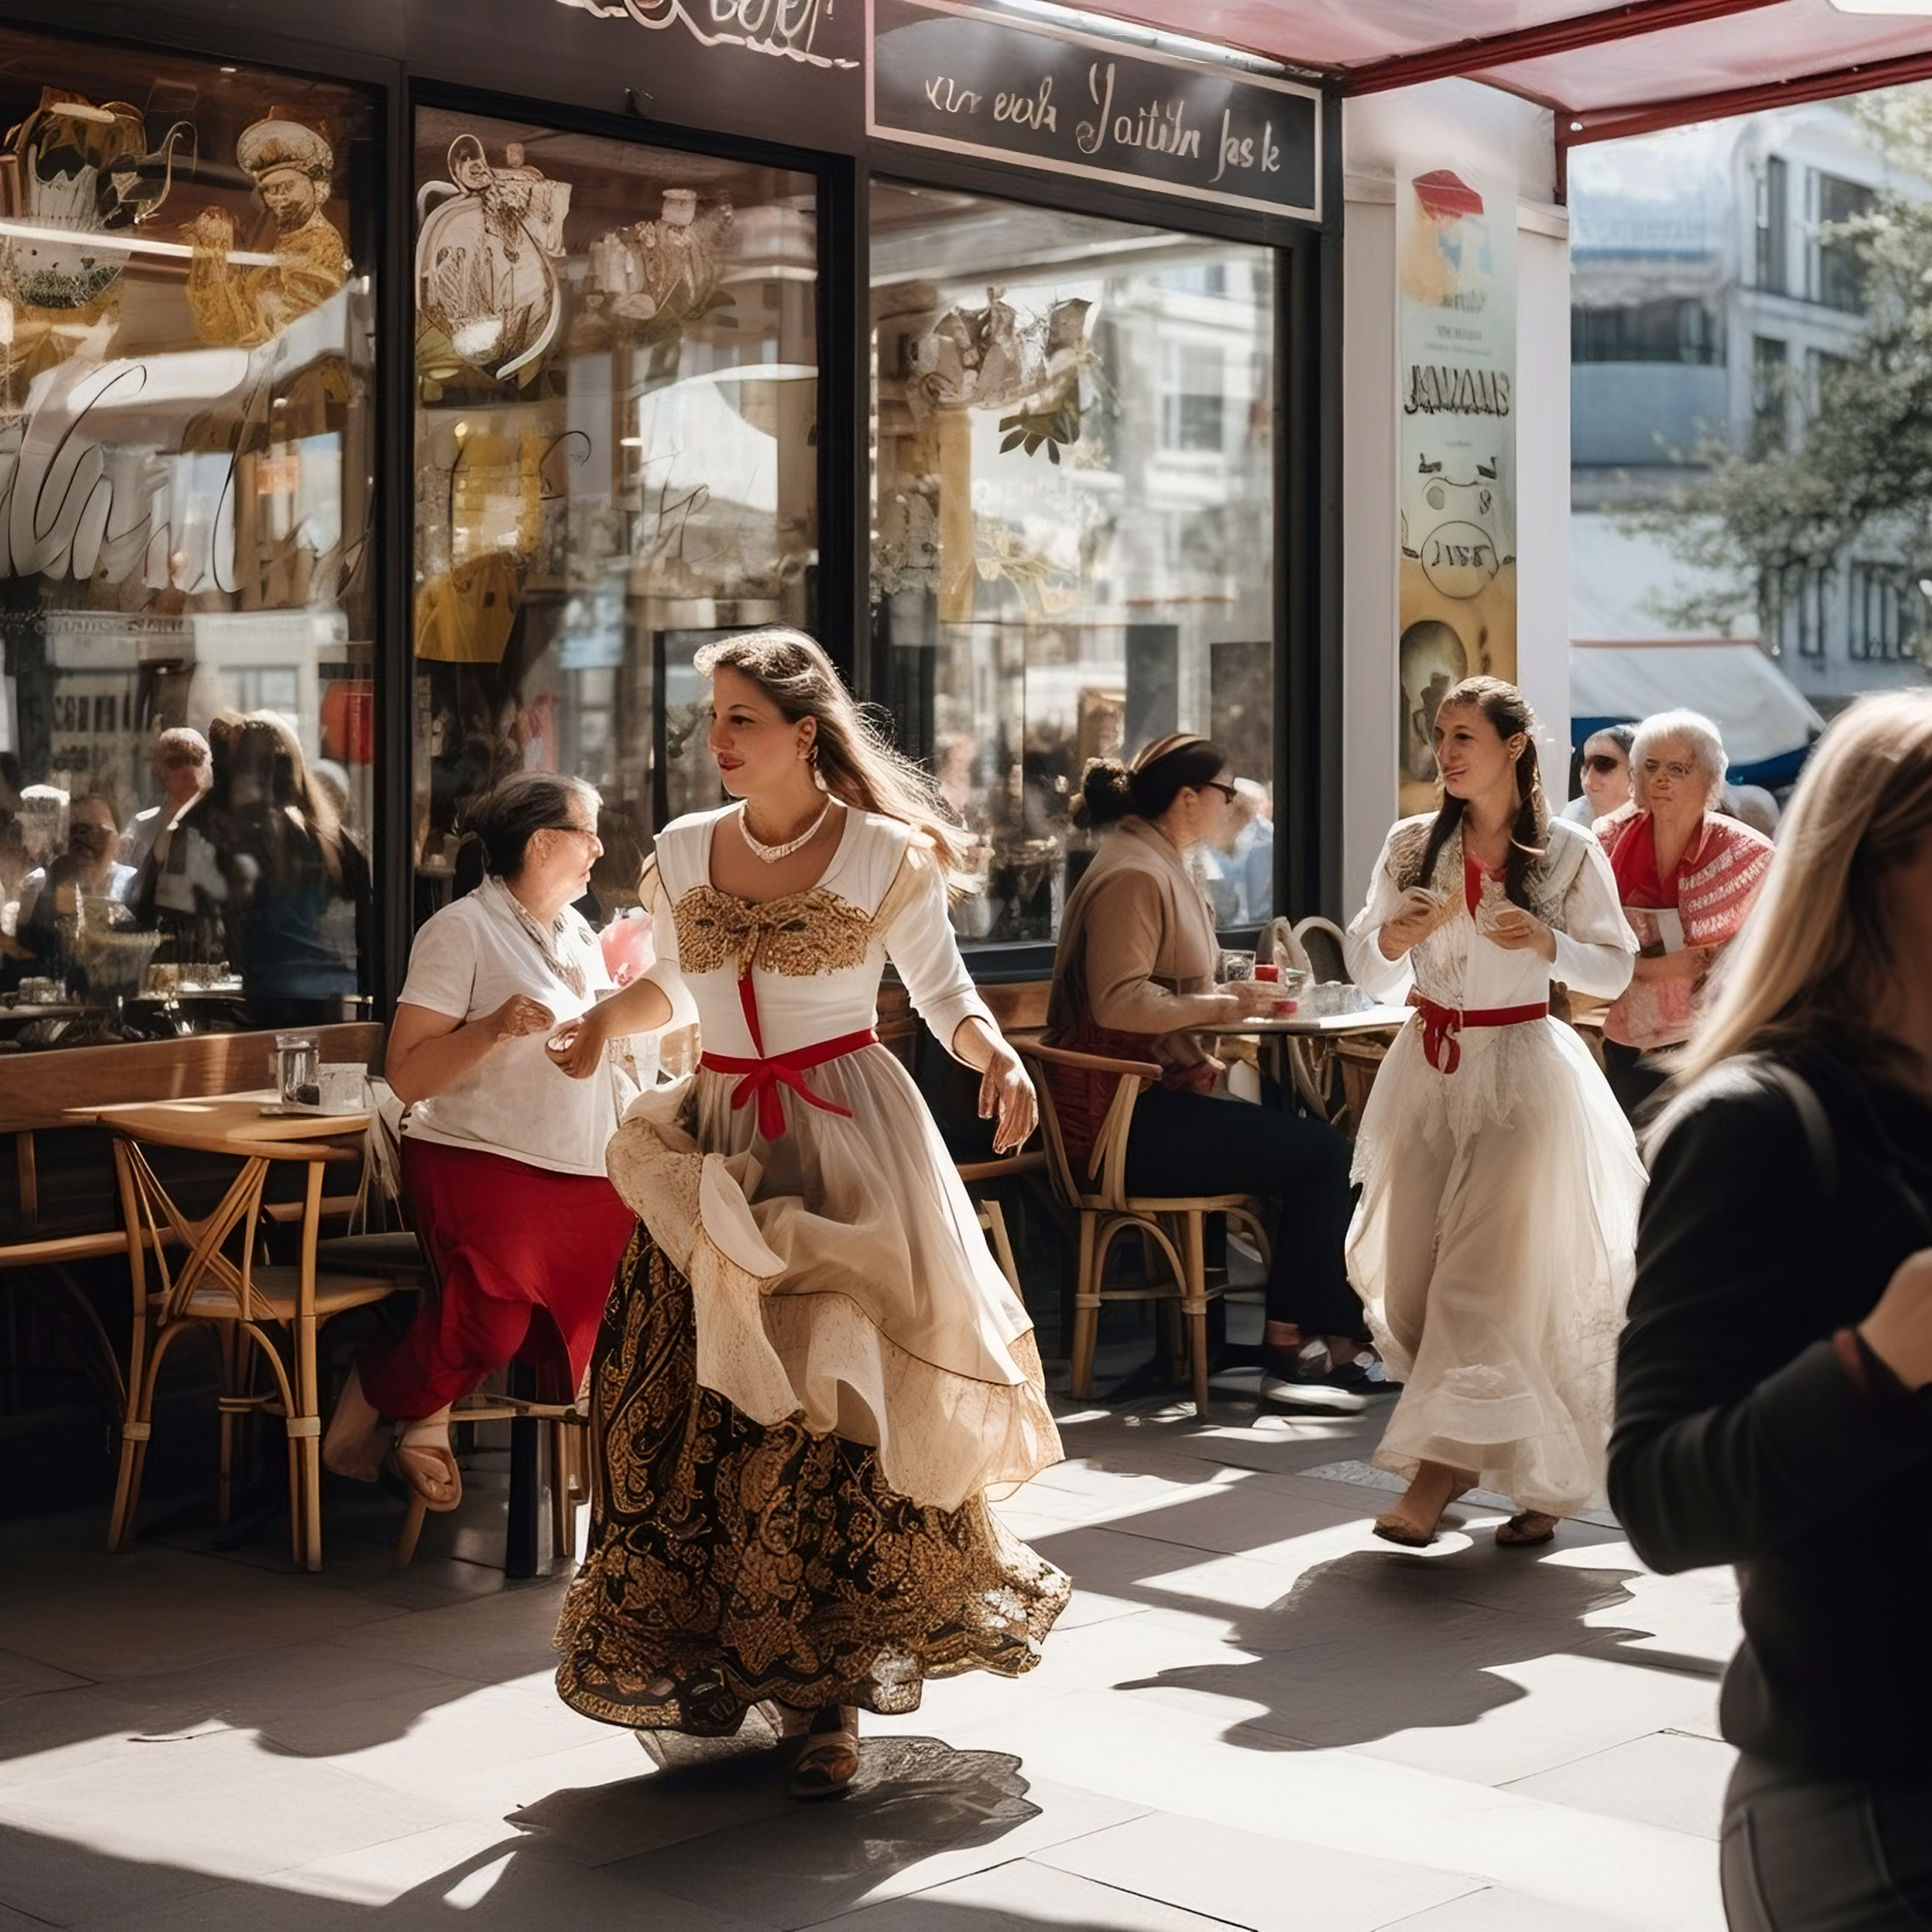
(1686, 876)
(503, 1152)
(1133, 972)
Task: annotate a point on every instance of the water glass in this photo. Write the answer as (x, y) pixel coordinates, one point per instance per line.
(1236, 965)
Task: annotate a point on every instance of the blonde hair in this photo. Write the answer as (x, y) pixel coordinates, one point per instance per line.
(854, 761)
(1816, 955)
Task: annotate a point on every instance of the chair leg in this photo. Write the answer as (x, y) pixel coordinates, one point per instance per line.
(308, 1431)
(1195, 1308)
(135, 1433)
(1086, 1313)
(995, 1221)
(561, 1520)
(224, 1340)
(412, 1528)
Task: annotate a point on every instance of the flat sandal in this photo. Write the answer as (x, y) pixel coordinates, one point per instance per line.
(829, 1761)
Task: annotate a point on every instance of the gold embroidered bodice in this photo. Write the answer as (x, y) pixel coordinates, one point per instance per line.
(799, 935)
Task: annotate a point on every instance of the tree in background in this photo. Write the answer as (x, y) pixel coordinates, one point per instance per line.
(1863, 465)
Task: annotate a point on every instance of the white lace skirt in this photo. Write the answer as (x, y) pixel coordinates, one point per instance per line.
(839, 1274)
(1493, 1249)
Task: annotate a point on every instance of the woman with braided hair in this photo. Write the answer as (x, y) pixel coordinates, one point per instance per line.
(1493, 1244)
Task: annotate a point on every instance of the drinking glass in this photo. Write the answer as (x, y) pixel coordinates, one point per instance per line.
(1236, 965)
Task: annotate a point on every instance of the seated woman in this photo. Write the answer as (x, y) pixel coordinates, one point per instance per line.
(503, 1153)
(1686, 877)
(1134, 970)
(1604, 775)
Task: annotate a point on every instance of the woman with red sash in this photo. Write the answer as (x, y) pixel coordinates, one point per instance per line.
(811, 1370)
(1686, 877)
(1492, 1243)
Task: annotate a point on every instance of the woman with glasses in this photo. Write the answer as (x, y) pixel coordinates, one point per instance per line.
(1686, 876)
(503, 1153)
(1604, 773)
(1133, 972)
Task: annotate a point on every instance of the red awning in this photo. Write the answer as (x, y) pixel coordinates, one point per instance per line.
(1607, 71)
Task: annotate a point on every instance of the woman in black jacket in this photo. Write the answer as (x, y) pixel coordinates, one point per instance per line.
(1774, 1388)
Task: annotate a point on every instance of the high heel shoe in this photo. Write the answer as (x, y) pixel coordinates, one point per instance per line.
(1527, 1528)
(1413, 1525)
(829, 1761)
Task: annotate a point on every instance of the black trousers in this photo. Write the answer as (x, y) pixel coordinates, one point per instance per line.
(1199, 1144)
(1802, 1857)
(1634, 1077)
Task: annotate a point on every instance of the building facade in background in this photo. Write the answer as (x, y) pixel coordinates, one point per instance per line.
(1710, 297)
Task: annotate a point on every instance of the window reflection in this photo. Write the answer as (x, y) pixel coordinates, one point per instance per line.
(1072, 522)
(186, 316)
(617, 382)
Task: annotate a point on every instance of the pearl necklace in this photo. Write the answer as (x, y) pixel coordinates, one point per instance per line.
(772, 854)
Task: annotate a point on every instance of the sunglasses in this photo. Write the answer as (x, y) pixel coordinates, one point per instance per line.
(1603, 764)
(1221, 785)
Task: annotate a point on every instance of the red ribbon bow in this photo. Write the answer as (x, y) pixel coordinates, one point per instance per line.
(761, 1078)
(1441, 1026)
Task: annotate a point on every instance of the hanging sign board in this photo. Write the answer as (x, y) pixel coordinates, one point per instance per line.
(1455, 309)
(972, 82)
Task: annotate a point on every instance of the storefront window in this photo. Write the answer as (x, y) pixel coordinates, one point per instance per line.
(1072, 534)
(616, 459)
(186, 313)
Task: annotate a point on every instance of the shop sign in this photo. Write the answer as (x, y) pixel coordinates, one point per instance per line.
(956, 78)
(1456, 269)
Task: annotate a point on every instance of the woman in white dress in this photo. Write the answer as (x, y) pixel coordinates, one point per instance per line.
(1493, 1246)
(811, 1370)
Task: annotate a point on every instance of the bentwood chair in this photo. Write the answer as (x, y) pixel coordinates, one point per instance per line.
(218, 1288)
(1173, 1226)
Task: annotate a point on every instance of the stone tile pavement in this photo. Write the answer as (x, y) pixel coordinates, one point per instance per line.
(1253, 1714)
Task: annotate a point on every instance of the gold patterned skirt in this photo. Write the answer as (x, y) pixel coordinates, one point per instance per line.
(730, 1563)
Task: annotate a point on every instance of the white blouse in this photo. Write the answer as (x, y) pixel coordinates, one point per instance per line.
(467, 960)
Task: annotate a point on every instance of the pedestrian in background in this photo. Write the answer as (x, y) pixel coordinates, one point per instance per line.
(1773, 1408)
(1603, 770)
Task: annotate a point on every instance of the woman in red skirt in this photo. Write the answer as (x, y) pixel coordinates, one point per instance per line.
(503, 1153)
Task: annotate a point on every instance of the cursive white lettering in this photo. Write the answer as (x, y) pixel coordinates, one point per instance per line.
(1091, 136)
(1234, 153)
(949, 99)
(1029, 111)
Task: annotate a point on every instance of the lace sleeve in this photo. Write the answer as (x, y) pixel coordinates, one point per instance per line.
(1387, 979)
(1596, 950)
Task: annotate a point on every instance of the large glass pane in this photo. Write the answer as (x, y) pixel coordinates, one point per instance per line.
(186, 488)
(616, 458)
(1072, 522)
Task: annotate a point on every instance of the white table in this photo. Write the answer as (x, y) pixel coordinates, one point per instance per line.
(1300, 1058)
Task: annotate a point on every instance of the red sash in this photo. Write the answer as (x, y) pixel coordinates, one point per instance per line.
(763, 1076)
(1441, 1024)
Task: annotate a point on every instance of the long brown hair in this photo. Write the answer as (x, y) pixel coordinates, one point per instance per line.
(1816, 957)
(1508, 711)
(858, 767)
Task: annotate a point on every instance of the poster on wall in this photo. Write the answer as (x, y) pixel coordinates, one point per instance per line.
(1456, 337)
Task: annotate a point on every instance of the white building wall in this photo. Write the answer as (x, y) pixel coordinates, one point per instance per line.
(1449, 124)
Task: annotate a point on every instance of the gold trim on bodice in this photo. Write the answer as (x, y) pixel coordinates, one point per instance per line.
(799, 935)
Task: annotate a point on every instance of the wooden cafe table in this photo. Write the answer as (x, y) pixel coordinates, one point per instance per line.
(1304, 1041)
(206, 1288)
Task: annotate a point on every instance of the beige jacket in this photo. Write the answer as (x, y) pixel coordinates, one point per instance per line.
(1138, 951)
